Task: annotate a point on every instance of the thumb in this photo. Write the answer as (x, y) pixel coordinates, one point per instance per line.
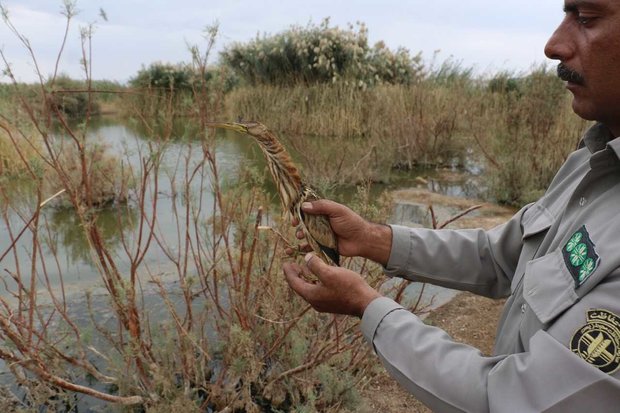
(321, 207)
(316, 265)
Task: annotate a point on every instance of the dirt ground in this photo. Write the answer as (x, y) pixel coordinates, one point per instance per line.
(468, 319)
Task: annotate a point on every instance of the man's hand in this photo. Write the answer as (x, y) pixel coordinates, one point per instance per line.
(338, 290)
(355, 235)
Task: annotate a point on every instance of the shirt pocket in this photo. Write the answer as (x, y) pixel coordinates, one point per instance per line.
(548, 286)
(536, 222)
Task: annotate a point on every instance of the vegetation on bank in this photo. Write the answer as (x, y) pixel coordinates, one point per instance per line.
(518, 134)
(232, 337)
(518, 129)
(368, 108)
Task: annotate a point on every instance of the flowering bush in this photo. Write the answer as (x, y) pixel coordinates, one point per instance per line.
(319, 54)
(164, 76)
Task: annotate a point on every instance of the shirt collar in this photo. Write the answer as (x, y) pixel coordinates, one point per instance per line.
(598, 137)
(614, 144)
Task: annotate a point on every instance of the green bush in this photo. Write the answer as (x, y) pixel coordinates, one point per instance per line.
(177, 88)
(164, 76)
(182, 77)
(320, 54)
(70, 96)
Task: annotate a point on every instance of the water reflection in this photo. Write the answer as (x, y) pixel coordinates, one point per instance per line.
(69, 237)
(466, 187)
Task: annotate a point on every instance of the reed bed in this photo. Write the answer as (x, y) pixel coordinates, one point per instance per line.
(519, 136)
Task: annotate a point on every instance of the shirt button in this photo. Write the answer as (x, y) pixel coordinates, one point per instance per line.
(523, 307)
(582, 201)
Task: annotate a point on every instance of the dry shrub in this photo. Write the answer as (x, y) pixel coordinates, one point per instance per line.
(209, 324)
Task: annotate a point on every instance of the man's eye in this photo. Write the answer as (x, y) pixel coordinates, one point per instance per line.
(584, 20)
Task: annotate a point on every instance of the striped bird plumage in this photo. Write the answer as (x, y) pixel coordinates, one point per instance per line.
(291, 188)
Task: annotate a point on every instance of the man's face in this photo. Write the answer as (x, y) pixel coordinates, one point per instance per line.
(587, 44)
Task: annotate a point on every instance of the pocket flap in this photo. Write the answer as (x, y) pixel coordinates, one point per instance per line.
(535, 220)
(548, 286)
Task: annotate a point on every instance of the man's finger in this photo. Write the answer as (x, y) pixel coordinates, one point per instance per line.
(308, 275)
(300, 234)
(290, 251)
(305, 248)
(292, 273)
(322, 206)
(317, 266)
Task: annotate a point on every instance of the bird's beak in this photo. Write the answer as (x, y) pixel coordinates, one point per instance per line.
(238, 127)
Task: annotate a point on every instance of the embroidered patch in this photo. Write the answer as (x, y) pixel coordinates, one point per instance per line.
(598, 342)
(580, 256)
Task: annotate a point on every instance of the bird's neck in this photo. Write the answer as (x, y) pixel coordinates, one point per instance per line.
(285, 175)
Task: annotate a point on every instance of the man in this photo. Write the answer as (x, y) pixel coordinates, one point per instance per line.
(558, 342)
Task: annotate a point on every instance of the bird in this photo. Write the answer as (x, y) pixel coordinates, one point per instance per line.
(293, 191)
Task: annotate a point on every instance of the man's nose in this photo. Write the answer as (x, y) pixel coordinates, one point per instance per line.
(559, 46)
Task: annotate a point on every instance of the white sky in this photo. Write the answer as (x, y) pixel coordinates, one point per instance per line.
(489, 35)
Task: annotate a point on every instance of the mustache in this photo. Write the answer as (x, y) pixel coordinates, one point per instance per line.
(569, 75)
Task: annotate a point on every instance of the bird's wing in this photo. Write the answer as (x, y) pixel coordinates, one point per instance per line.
(318, 230)
(321, 232)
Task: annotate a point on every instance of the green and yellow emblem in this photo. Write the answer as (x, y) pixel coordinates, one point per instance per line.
(580, 256)
(598, 342)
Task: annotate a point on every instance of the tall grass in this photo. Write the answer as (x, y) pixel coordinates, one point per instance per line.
(387, 110)
(364, 133)
(521, 126)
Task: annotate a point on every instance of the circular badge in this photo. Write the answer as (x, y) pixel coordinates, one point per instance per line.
(598, 342)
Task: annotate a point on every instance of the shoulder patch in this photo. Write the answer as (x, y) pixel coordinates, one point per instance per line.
(580, 256)
(598, 342)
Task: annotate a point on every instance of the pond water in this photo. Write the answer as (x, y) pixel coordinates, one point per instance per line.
(66, 251)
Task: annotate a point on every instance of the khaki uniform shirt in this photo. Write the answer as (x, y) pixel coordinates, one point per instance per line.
(558, 342)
